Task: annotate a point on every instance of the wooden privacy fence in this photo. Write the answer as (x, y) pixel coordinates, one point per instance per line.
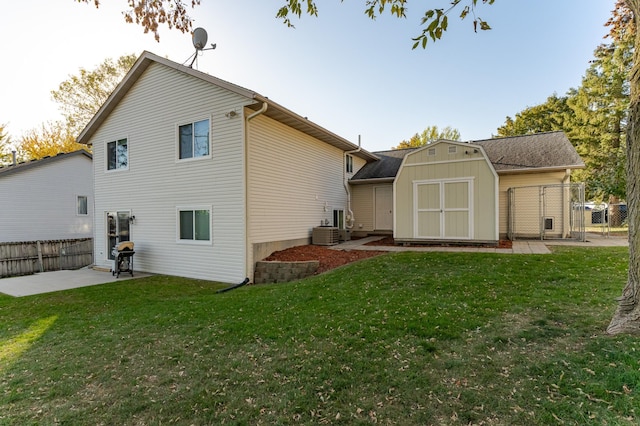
(26, 258)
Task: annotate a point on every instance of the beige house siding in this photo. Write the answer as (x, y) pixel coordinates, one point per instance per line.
(364, 207)
(156, 183)
(294, 183)
(527, 202)
(443, 163)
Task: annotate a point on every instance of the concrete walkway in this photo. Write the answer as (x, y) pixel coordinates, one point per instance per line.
(47, 282)
(521, 247)
(518, 246)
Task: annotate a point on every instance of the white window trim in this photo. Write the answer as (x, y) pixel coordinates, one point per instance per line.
(82, 214)
(106, 156)
(177, 140)
(470, 180)
(194, 242)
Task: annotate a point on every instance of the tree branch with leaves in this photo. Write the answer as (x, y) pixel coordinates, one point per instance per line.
(150, 14)
(434, 21)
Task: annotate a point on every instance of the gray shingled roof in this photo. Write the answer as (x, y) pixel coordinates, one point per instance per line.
(26, 165)
(386, 167)
(550, 150)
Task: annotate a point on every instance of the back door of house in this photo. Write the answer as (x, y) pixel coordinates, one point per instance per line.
(442, 209)
(118, 230)
(383, 208)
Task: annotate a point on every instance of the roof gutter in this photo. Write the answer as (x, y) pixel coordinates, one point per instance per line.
(539, 169)
(247, 216)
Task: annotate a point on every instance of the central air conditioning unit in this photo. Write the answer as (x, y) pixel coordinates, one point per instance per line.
(325, 236)
(345, 234)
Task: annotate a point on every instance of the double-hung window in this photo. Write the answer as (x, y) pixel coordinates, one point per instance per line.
(194, 224)
(193, 140)
(349, 164)
(118, 155)
(82, 207)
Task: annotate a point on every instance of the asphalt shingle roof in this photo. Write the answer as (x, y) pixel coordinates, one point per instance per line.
(550, 150)
(541, 150)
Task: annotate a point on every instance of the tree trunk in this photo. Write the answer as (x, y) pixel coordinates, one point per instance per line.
(627, 316)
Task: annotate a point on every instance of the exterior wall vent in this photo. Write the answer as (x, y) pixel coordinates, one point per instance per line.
(325, 236)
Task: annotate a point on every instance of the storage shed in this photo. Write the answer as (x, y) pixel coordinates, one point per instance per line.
(477, 191)
(446, 191)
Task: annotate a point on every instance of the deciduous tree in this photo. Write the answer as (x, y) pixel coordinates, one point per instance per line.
(428, 135)
(81, 96)
(50, 139)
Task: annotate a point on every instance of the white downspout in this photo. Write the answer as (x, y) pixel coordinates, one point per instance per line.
(349, 220)
(246, 186)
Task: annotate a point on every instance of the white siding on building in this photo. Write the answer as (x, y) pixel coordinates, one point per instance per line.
(155, 183)
(295, 182)
(39, 202)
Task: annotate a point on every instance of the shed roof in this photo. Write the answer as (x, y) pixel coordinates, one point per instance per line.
(515, 154)
(274, 110)
(28, 165)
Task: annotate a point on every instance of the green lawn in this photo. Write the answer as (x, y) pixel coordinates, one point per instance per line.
(432, 338)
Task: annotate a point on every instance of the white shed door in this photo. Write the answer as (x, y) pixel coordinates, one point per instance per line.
(384, 208)
(442, 209)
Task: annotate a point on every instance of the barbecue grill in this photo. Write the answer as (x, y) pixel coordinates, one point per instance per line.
(123, 258)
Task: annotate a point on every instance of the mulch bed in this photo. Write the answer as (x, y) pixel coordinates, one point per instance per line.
(330, 259)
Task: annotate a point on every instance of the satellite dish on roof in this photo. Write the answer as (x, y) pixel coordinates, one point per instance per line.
(199, 40)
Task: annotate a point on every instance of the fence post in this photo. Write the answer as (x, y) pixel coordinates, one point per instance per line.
(40, 263)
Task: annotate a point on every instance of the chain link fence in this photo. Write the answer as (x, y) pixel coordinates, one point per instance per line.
(607, 219)
(546, 212)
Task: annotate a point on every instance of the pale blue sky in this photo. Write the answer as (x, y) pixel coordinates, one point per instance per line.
(343, 71)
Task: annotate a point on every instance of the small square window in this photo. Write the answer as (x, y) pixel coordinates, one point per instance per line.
(431, 152)
(453, 149)
(193, 140)
(81, 205)
(118, 155)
